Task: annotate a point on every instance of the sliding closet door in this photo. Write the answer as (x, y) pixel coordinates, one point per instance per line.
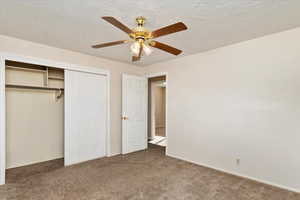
(85, 116)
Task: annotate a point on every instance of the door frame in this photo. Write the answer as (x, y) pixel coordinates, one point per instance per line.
(158, 74)
(32, 60)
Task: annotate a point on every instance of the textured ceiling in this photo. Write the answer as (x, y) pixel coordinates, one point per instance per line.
(76, 24)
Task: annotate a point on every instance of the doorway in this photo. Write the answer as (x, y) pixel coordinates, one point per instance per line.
(157, 111)
(144, 112)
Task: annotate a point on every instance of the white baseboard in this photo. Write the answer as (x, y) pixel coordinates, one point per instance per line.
(237, 174)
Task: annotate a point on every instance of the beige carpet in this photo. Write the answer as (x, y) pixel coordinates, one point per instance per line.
(143, 175)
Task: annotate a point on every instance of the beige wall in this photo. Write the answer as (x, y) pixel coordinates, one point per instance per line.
(239, 102)
(34, 120)
(26, 48)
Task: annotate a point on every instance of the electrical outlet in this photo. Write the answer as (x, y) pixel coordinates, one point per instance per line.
(238, 161)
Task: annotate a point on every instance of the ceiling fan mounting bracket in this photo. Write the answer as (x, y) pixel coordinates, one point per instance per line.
(140, 20)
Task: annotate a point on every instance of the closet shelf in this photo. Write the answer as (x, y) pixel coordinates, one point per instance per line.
(55, 78)
(26, 69)
(32, 87)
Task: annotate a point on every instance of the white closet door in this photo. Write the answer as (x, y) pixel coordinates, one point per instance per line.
(85, 116)
(134, 107)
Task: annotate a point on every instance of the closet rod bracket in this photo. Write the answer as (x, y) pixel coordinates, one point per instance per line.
(59, 94)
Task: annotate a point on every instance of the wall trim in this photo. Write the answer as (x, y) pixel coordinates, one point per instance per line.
(38, 61)
(236, 174)
(2, 121)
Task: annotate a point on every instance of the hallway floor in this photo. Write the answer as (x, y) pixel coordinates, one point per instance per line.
(159, 140)
(148, 175)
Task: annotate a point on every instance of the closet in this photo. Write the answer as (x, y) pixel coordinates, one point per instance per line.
(34, 114)
(52, 112)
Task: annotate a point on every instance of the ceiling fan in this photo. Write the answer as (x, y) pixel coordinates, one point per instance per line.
(142, 38)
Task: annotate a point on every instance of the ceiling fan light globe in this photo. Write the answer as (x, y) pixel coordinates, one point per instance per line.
(147, 50)
(135, 48)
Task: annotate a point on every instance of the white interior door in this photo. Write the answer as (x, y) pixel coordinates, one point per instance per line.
(134, 108)
(85, 116)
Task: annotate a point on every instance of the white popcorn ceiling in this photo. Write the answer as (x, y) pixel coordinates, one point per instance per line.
(76, 24)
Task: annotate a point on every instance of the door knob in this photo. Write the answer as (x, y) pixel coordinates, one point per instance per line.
(124, 118)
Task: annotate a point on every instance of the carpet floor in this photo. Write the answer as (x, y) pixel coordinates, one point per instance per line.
(146, 175)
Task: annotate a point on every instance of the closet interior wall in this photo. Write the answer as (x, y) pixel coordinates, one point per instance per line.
(156, 107)
(34, 114)
(159, 97)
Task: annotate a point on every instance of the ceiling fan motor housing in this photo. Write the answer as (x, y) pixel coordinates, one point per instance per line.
(140, 21)
(140, 32)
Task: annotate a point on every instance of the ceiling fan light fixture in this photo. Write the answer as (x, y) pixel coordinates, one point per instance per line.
(147, 50)
(135, 48)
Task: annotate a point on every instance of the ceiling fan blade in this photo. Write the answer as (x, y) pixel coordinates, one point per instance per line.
(169, 29)
(117, 24)
(165, 47)
(109, 44)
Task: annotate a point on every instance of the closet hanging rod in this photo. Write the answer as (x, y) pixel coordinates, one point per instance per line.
(32, 87)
